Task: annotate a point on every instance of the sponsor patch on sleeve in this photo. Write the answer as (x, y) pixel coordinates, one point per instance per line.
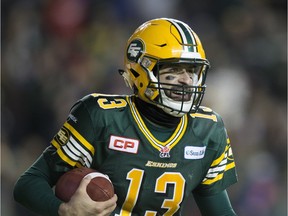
(194, 152)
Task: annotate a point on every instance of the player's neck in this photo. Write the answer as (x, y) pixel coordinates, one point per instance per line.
(156, 115)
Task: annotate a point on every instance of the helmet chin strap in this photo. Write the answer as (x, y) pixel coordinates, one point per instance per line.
(172, 112)
(175, 108)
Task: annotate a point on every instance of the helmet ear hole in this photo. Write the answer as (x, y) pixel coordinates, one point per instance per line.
(141, 84)
(134, 72)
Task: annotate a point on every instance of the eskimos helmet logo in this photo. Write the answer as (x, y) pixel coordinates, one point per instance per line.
(134, 50)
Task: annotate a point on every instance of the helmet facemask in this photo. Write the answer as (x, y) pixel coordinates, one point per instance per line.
(179, 99)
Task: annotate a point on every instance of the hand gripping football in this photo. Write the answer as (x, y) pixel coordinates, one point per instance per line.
(100, 188)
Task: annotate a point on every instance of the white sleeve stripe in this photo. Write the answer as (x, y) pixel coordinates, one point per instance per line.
(223, 162)
(69, 153)
(78, 154)
(212, 175)
(217, 169)
(81, 149)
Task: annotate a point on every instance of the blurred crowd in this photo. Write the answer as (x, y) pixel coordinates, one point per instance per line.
(56, 51)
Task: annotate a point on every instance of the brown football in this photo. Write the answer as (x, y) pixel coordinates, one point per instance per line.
(100, 188)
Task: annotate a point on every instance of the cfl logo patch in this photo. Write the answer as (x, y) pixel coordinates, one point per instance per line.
(62, 137)
(134, 50)
(123, 144)
(164, 152)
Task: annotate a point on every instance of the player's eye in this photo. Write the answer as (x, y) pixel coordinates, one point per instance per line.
(169, 77)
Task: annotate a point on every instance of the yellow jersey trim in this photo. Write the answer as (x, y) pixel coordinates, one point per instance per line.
(173, 139)
(80, 137)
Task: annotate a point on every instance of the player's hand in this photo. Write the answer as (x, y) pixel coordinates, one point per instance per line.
(81, 204)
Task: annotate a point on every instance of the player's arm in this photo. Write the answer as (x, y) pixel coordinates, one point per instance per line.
(216, 205)
(211, 195)
(33, 189)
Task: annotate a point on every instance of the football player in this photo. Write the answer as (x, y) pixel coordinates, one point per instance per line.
(158, 146)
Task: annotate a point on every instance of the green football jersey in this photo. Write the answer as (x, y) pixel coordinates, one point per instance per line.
(153, 169)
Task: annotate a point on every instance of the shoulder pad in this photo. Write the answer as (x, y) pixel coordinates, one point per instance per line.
(106, 101)
(206, 113)
(203, 109)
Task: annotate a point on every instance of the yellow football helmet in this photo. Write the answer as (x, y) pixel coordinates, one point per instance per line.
(158, 42)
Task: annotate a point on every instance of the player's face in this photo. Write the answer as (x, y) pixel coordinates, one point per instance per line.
(179, 79)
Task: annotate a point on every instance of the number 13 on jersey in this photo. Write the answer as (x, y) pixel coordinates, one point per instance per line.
(135, 176)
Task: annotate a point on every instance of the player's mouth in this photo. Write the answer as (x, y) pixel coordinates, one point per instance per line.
(179, 95)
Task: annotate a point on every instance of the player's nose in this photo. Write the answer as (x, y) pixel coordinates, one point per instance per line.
(184, 78)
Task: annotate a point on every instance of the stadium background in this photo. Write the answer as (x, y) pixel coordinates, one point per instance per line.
(54, 52)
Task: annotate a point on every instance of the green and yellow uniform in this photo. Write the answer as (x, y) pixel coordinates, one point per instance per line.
(152, 169)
